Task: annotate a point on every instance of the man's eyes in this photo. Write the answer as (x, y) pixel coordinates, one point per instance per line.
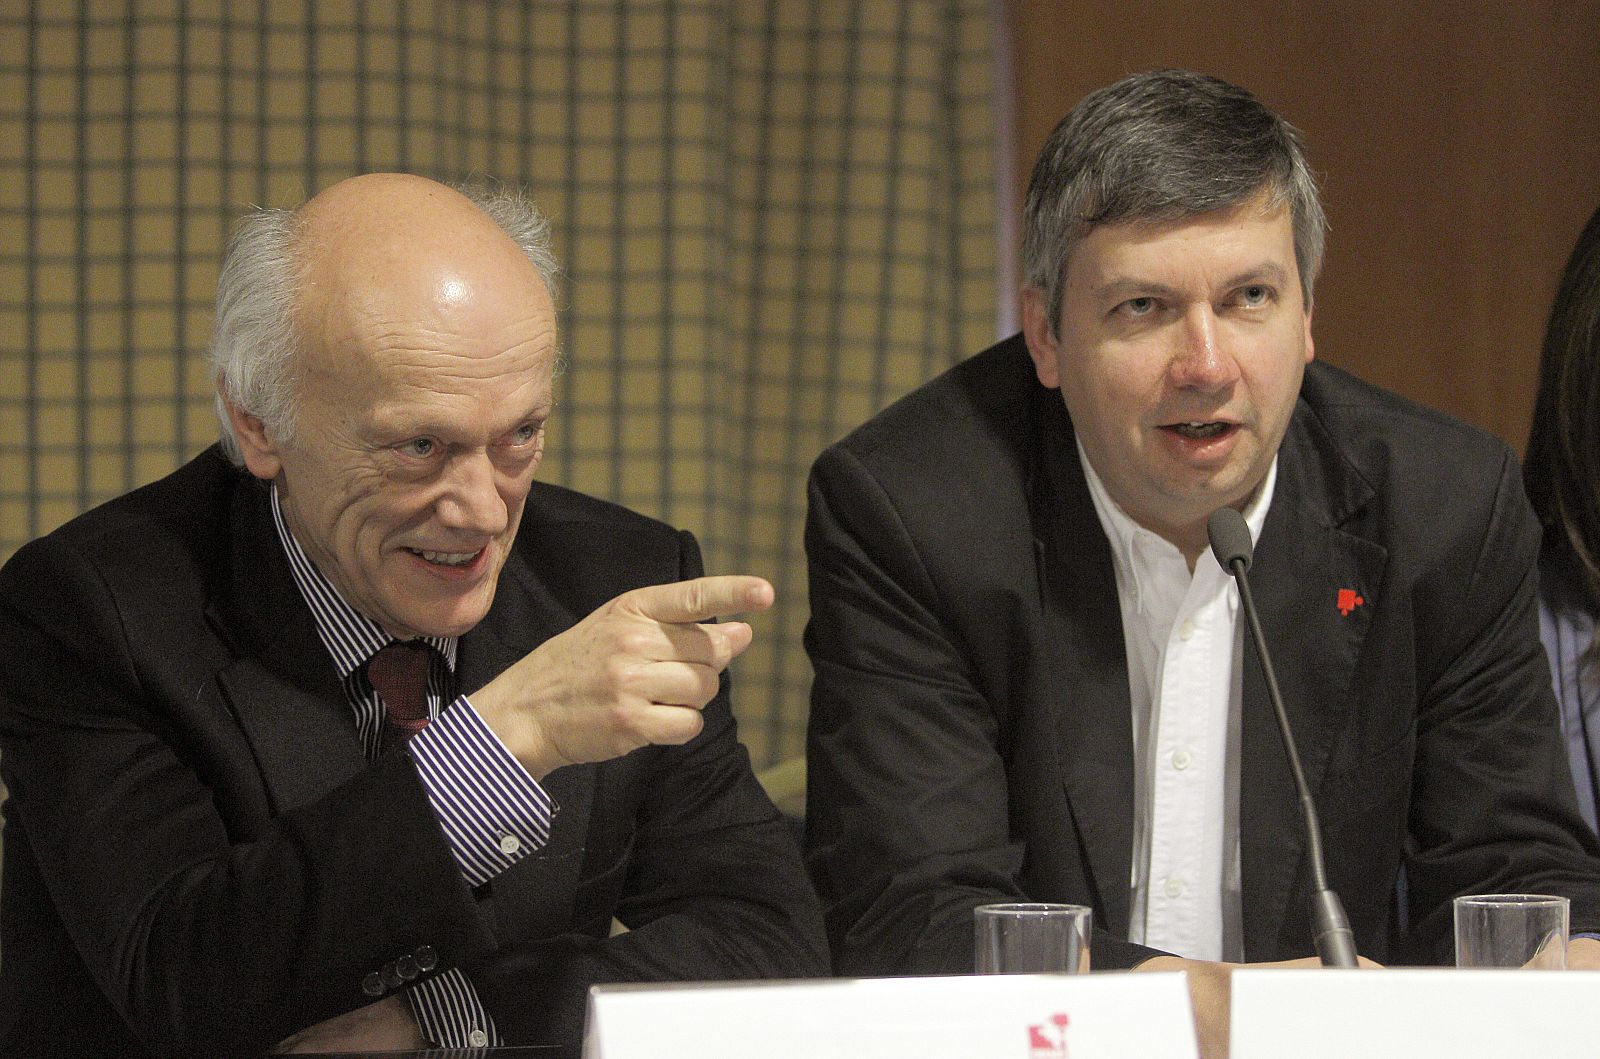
(526, 433)
(424, 448)
(1252, 296)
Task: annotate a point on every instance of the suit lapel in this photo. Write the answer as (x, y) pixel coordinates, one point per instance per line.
(282, 688)
(286, 697)
(1303, 561)
(1086, 674)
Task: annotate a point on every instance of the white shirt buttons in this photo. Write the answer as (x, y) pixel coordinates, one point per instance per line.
(477, 1038)
(509, 844)
(1182, 637)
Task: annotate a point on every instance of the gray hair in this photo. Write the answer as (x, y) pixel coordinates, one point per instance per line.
(255, 343)
(1163, 146)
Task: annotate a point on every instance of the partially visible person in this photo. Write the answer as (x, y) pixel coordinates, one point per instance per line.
(1562, 475)
(350, 735)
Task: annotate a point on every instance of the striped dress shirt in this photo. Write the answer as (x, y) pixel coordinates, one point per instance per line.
(491, 811)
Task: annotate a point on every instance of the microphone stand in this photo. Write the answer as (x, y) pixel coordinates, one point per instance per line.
(1330, 928)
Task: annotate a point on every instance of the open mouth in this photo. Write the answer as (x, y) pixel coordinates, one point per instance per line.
(446, 558)
(1198, 431)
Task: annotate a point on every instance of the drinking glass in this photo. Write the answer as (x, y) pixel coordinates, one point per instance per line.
(1031, 938)
(1511, 930)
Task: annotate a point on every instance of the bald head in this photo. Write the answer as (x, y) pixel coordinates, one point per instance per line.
(398, 236)
(421, 356)
(385, 254)
(374, 239)
(382, 206)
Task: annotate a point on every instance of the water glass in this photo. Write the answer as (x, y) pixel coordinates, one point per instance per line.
(1031, 938)
(1511, 930)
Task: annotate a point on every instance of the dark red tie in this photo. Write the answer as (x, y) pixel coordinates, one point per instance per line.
(400, 674)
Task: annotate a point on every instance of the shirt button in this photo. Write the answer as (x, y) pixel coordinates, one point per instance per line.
(1186, 630)
(1180, 759)
(509, 844)
(390, 976)
(1174, 887)
(426, 958)
(372, 984)
(477, 1038)
(407, 967)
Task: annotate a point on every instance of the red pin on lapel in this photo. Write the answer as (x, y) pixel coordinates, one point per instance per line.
(1348, 601)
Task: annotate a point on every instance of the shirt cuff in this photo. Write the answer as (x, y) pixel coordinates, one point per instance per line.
(449, 1013)
(491, 811)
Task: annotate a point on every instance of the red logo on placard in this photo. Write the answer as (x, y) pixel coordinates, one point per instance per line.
(1042, 1044)
(1348, 601)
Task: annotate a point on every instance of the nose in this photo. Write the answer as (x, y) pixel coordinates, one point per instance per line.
(1200, 362)
(471, 499)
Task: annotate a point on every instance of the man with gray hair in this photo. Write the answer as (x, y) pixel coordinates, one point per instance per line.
(357, 737)
(1031, 682)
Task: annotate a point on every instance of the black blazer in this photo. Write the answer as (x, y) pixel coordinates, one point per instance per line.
(971, 734)
(199, 860)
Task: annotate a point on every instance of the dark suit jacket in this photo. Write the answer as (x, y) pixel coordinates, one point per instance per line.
(970, 733)
(199, 861)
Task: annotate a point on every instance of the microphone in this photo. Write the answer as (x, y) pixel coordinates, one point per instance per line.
(1231, 544)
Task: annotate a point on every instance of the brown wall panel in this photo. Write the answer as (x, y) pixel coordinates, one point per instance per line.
(1459, 145)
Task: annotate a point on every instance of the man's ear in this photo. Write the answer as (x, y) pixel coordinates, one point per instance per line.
(260, 451)
(1311, 348)
(1037, 333)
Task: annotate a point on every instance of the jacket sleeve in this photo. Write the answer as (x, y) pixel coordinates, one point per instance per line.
(212, 926)
(713, 889)
(909, 821)
(1492, 806)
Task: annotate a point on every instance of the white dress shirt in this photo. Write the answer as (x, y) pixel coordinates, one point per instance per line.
(1183, 637)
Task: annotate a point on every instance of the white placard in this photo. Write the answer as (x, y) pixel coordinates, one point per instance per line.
(1107, 1016)
(1407, 1013)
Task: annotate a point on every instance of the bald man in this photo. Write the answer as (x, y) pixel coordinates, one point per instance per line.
(351, 735)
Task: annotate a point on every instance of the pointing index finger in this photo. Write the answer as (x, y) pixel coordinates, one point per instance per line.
(701, 598)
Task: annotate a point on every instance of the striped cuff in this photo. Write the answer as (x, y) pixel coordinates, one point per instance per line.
(491, 811)
(449, 1013)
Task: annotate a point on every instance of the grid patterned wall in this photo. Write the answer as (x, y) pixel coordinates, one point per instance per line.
(774, 217)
